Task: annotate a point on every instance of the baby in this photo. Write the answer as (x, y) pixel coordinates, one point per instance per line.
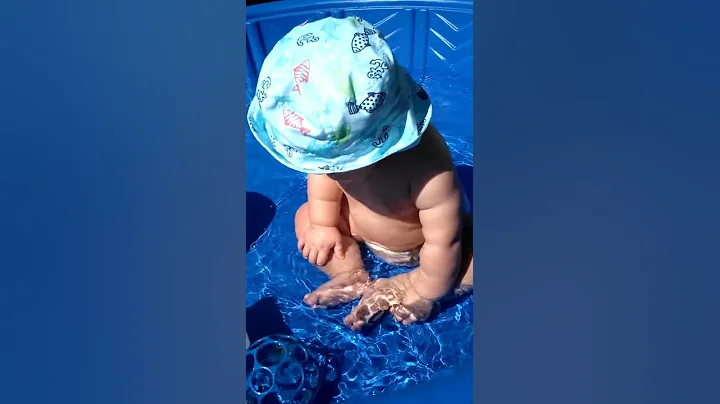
(331, 102)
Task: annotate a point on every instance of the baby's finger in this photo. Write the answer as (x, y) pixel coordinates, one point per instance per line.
(322, 257)
(306, 251)
(312, 258)
(339, 250)
(301, 245)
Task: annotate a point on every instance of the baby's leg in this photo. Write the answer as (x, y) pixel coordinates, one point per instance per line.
(347, 275)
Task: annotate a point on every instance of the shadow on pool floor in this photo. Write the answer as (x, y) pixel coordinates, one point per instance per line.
(260, 211)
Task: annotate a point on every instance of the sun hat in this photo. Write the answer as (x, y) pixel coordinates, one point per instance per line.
(330, 98)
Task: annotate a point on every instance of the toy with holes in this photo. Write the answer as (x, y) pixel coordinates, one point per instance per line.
(280, 369)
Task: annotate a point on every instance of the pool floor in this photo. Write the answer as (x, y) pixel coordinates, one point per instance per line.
(390, 356)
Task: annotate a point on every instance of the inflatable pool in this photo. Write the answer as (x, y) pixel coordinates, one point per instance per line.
(433, 41)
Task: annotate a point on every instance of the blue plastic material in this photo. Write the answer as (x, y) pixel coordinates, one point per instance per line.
(282, 370)
(427, 37)
(433, 41)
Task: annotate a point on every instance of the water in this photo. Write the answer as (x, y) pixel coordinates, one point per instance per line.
(390, 356)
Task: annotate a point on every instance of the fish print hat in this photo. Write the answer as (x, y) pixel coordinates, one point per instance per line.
(330, 98)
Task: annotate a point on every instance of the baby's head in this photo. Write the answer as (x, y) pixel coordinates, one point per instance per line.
(330, 99)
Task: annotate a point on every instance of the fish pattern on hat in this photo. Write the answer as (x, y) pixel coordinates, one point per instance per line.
(331, 98)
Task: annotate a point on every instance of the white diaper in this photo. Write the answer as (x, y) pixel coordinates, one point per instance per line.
(401, 258)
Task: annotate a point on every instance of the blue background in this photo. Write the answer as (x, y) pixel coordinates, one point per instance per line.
(122, 169)
(122, 202)
(597, 164)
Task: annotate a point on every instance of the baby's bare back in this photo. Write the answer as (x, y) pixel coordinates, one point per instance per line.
(381, 209)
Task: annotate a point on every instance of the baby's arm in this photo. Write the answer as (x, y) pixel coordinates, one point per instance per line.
(440, 205)
(324, 196)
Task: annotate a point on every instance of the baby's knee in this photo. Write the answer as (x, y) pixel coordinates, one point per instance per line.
(302, 219)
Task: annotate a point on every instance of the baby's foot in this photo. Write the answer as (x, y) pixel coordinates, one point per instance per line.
(343, 288)
(392, 295)
(374, 303)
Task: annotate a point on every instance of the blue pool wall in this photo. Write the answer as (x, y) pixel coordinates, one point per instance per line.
(406, 25)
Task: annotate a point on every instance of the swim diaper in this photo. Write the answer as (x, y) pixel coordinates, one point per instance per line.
(330, 98)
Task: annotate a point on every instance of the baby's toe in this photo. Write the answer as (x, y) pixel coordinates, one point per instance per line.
(333, 293)
(400, 313)
(367, 311)
(354, 322)
(312, 299)
(357, 319)
(321, 299)
(405, 317)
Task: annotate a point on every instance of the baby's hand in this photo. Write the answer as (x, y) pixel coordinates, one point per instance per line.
(394, 295)
(318, 241)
